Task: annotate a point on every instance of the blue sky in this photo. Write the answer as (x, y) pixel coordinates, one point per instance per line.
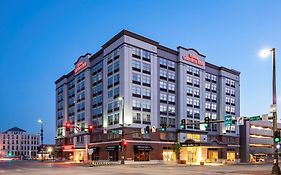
(40, 41)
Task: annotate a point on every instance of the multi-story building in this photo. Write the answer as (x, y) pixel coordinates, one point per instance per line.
(15, 142)
(159, 87)
(257, 141)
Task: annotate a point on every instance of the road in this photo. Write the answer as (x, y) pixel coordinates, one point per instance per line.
(64, 168)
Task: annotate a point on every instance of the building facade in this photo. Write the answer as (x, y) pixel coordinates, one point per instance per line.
(159, 87)
(257, 141)
(15, 142)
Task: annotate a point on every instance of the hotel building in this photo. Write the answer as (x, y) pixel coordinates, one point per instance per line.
(15, 142)
(159, 87)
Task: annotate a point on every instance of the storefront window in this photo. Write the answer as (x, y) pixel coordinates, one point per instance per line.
(141, 155)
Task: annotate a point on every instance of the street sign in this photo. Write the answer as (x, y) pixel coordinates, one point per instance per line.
(264, 117)
(153, 129)
(240, 121)
(90, 151)
(115, 131)
(228, 120)
(142, 130)
(255, 118)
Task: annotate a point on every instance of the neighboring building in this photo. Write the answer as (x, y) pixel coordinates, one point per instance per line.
(15, 142)
(257, 141)
(160, 87)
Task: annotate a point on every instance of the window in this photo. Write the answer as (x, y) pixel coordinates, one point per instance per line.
(163, 96)
(196, 82)
(136, 104)
(171, 76)
(214, 107)
(109, 107)
(110, 120)
(208, 106)
(163, 85)
(232, 101)
(227, 91)
(163, 62)
(163, 73)
(136, 78)
(196, 113)
(110, 69)
(116, 66)
(116, 92)
(189, 101)
(146, 118)
(189, 69)
(136, 65)
(136, 117)
(196, 102)
(232, 92)
(196, 92)
(189, 90)
(146, 55)
(110, 82)
(208, 114)
(136, 52)
(136, 90)
(146, 92)
(146, 80)
(171, 98)
(232, 110)
(195, 71)
(146, 105)
(232, 83)
(171, 65)
(207, 86)
(116, 118)
(208, 76)
(214, 97)
(227, 100)
(163, 108)
(146, 68)
(189, 112)
(172, 109)
(214, 116)
(188, 80)
(213, 78)
(171, 87)
(214, 87)
(116, 105)
(116, 79)
(227, 109)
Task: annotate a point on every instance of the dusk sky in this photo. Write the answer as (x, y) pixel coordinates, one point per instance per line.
(41, 40)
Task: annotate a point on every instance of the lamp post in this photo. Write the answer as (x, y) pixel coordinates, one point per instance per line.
(121, 99)
(41, 135)
(265, 53)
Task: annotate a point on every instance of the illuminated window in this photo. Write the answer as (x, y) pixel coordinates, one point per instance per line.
(195, 137)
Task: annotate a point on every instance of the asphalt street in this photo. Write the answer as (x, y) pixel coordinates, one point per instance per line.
(65, 168)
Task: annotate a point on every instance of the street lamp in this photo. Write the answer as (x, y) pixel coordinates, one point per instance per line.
(121, 99)
(41, 135)
(264, 53)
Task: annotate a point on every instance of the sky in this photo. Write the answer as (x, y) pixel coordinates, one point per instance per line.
(41, 40)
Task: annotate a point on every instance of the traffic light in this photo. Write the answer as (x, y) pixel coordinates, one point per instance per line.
(90, 128)
(163, 127)
(67, 126)
(207, 122)
(183, 124)
(124, 144)
(277, 136)
(147, 130)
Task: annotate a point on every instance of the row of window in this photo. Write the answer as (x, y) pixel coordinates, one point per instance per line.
(166, 63)
(212, 106)
(138, 53)
(193, 81)
(211, 86)
(190, 102)
(16, 148)
(137, 91)
(146, 81)
(167, 74)
(22, 142)
(167, 85)
(229, 82)
(141, 119)
(210, 77)
(136, 66)
(193, 70)
(193, 91)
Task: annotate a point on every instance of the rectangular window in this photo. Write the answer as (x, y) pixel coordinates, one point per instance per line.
(136, 78)
(136, 90)
(163, 96)
(146, 80)
(163, 62)
(163, 85)
(136, 65)
(146, 68)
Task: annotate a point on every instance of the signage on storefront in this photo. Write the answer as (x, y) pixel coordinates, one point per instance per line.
(143, 147)
(111, 148)
(193, 59)
(68, 148)
(81, 65)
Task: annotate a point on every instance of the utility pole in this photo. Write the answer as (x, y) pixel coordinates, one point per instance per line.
(275, 168)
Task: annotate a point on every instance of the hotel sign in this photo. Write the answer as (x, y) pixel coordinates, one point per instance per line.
(193, 59)
(68, 148)
(81, 65)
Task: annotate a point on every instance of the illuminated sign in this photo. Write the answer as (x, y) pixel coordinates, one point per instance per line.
(81, 65)
(193, 59)
(68, 148)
